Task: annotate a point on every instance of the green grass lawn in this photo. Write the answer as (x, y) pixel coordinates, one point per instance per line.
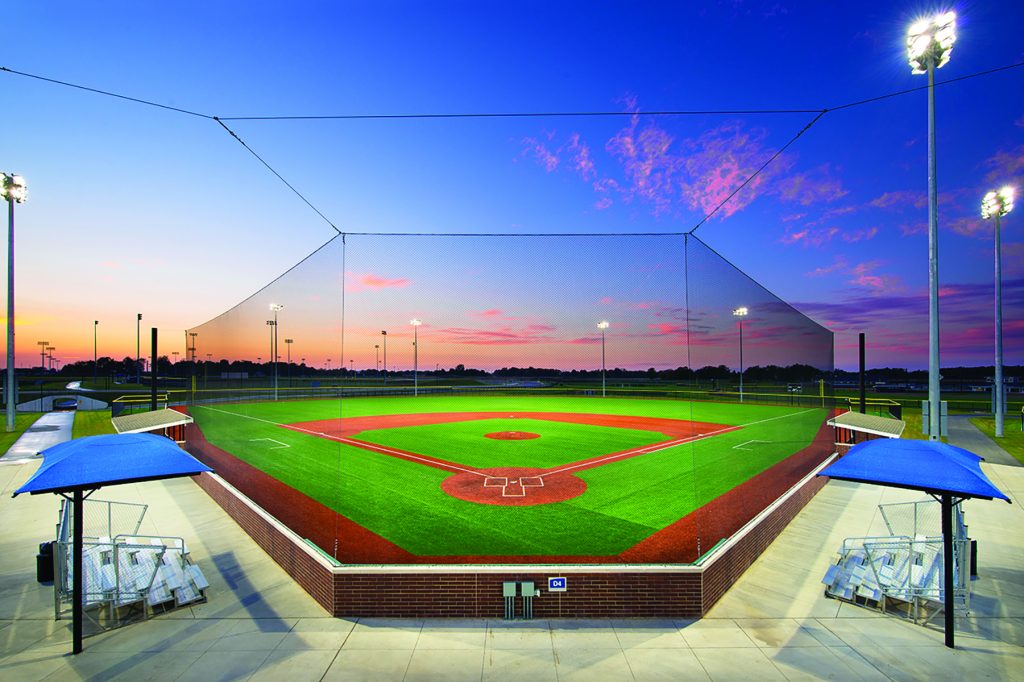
(91, 423)
(22, 420)
(1013, 438)
(626, 500)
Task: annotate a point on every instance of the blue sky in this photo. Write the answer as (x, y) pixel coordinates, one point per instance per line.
(135, 208)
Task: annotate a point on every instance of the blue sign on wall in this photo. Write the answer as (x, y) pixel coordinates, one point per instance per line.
(557, 584)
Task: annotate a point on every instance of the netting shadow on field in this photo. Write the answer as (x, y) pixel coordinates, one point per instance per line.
(522, 399)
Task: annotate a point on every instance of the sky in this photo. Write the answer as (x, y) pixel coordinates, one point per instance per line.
(139, 209)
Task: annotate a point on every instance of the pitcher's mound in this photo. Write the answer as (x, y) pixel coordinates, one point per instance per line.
(512, 435)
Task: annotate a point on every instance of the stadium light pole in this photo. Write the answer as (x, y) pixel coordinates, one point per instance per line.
(193, 335)
(95, 329)
(288, 344)
(376, 348)
(42, 353)
(13, 189)
(275, 307)
(603, 325)
(929, 43)
(49, 355)
(740, 313)
(385, 335)
(415, 356)
(994, 206)
(138, 372)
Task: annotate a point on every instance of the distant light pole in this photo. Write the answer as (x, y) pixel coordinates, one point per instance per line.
(995, 205)
(328, 364)
(288, 344)
(13, 189)
(929, 43)
(138, 375)
(193, 335)
(376, 347)
(415, 356)
(741, 312)
(42, 353)
(275, 307)
(174, 353)
(603, 325)
(385, 335)
(95, 328)
(49, 353)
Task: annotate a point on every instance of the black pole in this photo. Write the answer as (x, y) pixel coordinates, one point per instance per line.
(152, 375)
(76, 580)
(863, 398)
(947, 565)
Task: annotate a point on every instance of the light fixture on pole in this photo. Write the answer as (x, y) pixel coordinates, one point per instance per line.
(376, 348)
(603, 325)
(275, 307)
(929, 44)
(995, 205)
(740, 313)
(42, 353)
(415, 356)
(193, 335)
(13, 189)
(385, 335)
(49, 354)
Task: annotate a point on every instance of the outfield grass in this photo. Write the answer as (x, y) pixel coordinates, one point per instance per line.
(626, 500)
(22, 420)
(91, 423)
(1013, 438)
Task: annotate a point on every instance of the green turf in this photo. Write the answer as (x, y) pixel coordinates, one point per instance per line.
(465, 442)
(91, 423)
(402, 501)
(1013, 433)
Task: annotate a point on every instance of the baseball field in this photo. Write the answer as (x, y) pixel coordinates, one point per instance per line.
(511, 478)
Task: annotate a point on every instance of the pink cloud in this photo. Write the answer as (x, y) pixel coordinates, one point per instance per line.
(582, 163)
(810, 188)
(859, 235)
(504, 336)
(901, 199)
(880, 283)
(607, 300)
(1005, 165)
(493, 312)
(970, 226)
(356, 282)
(810, 237)
(907, 229)
(603, 203)
(547, 159)
(838, 265)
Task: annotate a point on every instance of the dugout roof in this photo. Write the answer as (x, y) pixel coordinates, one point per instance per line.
(143, 422)
(869, 423)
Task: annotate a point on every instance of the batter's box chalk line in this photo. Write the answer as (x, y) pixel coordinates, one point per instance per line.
(514, 487)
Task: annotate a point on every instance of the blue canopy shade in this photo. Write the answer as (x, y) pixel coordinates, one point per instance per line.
(932, 467)
(97, 461)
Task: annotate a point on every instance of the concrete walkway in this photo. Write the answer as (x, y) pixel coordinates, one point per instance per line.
(49, 430)
(774, 624)
(964, 434)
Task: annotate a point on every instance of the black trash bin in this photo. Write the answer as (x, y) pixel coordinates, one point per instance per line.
(44, 563)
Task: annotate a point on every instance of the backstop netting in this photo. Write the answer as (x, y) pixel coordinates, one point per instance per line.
(512, 398)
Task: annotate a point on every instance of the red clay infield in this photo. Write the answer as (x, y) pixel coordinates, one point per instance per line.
(512, 486)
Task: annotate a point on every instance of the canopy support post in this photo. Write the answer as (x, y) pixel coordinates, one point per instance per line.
(76, 604)
(947, 565)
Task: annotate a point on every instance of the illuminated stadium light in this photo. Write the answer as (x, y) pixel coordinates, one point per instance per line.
(276, 308)
(741, 312)
(602, 325)
(14, 190)
(995, 205)
(415, 356)
(930, 41)
(929, 44)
